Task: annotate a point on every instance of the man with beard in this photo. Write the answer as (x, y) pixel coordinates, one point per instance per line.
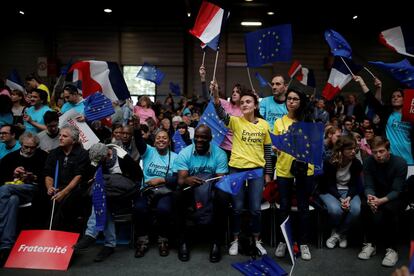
(49, 138)
(20, 177)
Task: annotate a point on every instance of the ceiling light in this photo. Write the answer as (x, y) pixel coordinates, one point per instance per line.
(107, 10)
(355, 17)
(251, 23)
(248, 0)
(21, 12)
(188, 14)
(270, 13)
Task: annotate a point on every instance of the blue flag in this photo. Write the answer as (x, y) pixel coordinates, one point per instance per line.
(179, 143)
(411, 266)
(286, 228)
(263, 266)
(402, 71)
(303, 140)
(339, 46)
(13, 81)
(233, 182)
(175, 88)
(262, 81)
(99, 200)
(150, 73)
(268, 45)
(211, 119)
(97, 107)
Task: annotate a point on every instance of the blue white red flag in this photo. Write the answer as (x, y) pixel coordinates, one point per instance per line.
(399, 39)
(100, 76)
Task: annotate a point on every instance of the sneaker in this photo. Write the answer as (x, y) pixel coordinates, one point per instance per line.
(84, 243)
(391, 258)
(234, 248)
(343, 242)
(305, 252)
(104, 253)
(260, 248)
(367, 251)
(281, 250)
(332, 241)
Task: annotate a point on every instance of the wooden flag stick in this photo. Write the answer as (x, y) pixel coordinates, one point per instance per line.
(54, 186)
(215, 66)
(250, 78)
(370, 72)
(204, 58)
(347, 66)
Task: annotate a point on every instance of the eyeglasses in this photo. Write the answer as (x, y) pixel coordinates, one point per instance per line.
(292, 99)
(4, 133)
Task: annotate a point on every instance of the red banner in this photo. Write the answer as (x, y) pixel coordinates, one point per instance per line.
(42, 249)
(408, 106)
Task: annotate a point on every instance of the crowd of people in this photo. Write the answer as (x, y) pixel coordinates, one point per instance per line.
(364, 178)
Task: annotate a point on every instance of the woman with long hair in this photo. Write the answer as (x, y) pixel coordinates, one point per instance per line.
(342, 179)
(251, 150)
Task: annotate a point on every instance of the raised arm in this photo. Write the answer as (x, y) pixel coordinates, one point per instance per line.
(221, 113)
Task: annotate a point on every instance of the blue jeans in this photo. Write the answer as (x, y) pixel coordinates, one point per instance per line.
(255, 190)
(109, 229)
(341, 219)
(11, 196)
(304, 187)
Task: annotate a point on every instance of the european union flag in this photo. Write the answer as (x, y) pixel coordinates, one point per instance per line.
(99, 200)
(175, 88)
(402, 71)
(263, 266)
(179, 143)
(269, 45)
(339, 46)
(233, 182)
(150, 73)
(262, 81)
(303, 140)
(211, 119)
(97, 107)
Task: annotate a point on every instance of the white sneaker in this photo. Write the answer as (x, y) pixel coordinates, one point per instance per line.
(281, 250)
(367, 251)
(259, 246)
(333, 240)
(305, 252)
(343, 242)
(234, 248)
(391, 258)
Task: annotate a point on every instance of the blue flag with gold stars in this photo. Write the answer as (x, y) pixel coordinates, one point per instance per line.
(97, 107)
(211, 119)
(268, 45)
(232, 183)
(339, 46)
(99, 200)
(262, 266)
(150, 73)
(303, 140)
(402, 71)
(179, 143)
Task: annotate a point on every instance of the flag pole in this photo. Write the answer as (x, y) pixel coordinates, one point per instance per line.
(54, 186)
(347, 66)
(250, 78)
(204, 57)
(215, 65)
(370, 72)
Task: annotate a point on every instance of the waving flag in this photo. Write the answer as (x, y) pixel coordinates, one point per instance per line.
(339, 77)
(268, 45)
(97, 107)
(150, 73)
(302, 74)
(261, 79)
(303, 140)
(233, 182)
(175, 88)
(402, 71)
(262, 266)
(208, 24)
(211, 119)
(286, 228)
(294, 68)
(99, 200)
(339, 46)
(178, 141)
(100, 76)
(408, 106)
(14, 82)
(399, 39)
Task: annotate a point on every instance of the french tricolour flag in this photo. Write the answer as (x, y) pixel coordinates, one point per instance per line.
(207, 26)
(399, 39)
(14, 82)
(100, 76)
(339, 76)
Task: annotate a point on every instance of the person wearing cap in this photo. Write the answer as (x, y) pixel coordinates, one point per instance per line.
(73, 100)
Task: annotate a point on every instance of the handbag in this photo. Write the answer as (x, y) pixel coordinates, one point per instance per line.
(299, 168)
